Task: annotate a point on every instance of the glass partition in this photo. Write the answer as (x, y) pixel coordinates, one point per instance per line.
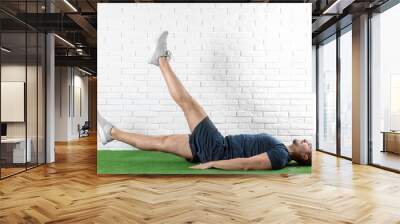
(22, 77)
(13, 94)
(41, 109)
(31, 99)
(32, 85)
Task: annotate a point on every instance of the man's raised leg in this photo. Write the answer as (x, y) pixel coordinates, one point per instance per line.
(194, 113)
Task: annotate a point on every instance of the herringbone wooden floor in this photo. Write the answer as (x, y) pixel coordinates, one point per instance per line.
(69, 191)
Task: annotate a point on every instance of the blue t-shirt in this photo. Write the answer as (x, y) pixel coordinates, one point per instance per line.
(248, 145)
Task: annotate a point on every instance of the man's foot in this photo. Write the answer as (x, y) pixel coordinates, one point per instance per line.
(160, 49)
(104, 128)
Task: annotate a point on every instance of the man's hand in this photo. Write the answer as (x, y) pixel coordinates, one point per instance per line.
(203, 166)
(258, 162)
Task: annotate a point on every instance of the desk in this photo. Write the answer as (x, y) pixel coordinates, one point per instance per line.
(391, 141)
(18, 149)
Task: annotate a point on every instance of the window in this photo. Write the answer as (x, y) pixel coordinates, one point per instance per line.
(385, 88)
(327, 96)
(346, 93)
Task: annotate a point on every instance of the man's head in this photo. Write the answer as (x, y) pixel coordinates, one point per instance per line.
(301, 151)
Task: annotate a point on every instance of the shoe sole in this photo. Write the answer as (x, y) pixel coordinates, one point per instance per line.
(153, 60)
(102, 135)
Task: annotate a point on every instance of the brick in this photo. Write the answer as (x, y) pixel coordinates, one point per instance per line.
(269, 120)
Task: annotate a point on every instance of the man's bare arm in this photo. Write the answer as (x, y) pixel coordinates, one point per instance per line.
(258, 162)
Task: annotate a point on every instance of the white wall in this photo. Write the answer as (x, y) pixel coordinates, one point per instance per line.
(66, 119)
(33, 127)
(248, 65)
(81, 81)
(12, 73)
(18, 73)
(61, 103)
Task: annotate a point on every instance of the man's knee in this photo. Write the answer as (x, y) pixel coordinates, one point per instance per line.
(164, 141)
(186, 102)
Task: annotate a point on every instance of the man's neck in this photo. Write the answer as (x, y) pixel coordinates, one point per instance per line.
(290, 149)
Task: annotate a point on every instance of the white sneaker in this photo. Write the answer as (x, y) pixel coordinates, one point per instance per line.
(160, 49)
(104, 129)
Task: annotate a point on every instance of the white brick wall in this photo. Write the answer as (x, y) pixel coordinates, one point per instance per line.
(249, 65)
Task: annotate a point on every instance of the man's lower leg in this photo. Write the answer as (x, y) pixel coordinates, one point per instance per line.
(177, 144)
(143, 142)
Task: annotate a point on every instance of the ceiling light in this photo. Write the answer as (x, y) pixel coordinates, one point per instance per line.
(79, 51)
(84, 71)
(70, 5)
(5, 50)
(65, 41)
(338, 6)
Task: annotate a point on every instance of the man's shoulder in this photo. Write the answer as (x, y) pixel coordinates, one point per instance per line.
(278, 157)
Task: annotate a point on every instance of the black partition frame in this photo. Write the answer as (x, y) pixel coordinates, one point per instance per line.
(334, 37)
(30, 29)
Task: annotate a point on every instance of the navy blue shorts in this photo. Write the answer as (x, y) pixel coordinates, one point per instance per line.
(206, 142)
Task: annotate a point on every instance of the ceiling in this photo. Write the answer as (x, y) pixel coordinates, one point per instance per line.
(76, 22)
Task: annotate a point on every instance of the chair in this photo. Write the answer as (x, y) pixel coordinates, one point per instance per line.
(84, 130)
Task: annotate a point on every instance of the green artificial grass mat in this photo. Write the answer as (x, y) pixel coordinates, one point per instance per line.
(145, 162)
